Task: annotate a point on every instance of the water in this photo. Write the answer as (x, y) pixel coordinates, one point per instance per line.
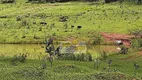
(37, 51)
(34, 51)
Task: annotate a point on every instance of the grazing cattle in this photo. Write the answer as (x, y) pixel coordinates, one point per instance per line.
(79, 27)
(43, 23)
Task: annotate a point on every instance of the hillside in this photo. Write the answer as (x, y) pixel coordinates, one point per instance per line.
(112, 31)
(31, 23)
(62, 70)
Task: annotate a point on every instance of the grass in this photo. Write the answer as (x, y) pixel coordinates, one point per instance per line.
(69, 70)
(94, 18)
(115, 17)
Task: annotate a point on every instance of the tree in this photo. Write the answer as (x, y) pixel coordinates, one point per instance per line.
(7, 1)
(139, 1)
(108, 1)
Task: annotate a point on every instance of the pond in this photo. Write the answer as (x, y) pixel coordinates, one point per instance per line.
(33, 51)
(37, 51)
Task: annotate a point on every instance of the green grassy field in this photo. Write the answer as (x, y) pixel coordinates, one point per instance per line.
(20, 23)
(115, 17)
(71, 70)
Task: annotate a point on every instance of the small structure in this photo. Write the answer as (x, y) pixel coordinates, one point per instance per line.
(117, 38)
(68, 47)
(119, 42)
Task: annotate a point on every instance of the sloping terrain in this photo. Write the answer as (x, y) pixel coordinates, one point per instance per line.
(32, 23)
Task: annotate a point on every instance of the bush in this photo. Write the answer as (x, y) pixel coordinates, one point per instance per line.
(38, 1)
(104, 55)
(63, 18)
(76, 57)
(98, 40)
(24, 22)
(7, 1)
(18, 18)
(137, 43)
(18, 58)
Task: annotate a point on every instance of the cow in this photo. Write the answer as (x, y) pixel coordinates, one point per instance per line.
(79, 27)
(43, 23)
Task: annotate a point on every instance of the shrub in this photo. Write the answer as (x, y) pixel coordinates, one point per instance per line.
(67, 57)
(63, 18)
(19, 18)
(104, 55)
(38, 1)
(24, 22)
(7, 1)
(76, 57)
(18, 58)
(98, 40)
(137, 43)
(43, 64)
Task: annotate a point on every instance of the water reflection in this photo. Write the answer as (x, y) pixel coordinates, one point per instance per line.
(36, 51)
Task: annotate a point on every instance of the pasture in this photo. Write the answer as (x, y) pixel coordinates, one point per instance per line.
(22, 22)
(26, 24)
(120, 69)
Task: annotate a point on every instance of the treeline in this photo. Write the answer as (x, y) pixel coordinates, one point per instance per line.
(7, 1)
(45, 1)
(53, 1)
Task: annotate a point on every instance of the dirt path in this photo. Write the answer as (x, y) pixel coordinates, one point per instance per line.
(140, 53)
(112, 37)
(116, 36)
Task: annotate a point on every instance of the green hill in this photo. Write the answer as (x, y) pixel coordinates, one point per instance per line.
(21, 22)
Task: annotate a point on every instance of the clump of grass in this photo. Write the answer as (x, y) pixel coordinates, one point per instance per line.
(24, 22)
(19, 18)
(137, 44)
(76, 57)
(18, 58)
